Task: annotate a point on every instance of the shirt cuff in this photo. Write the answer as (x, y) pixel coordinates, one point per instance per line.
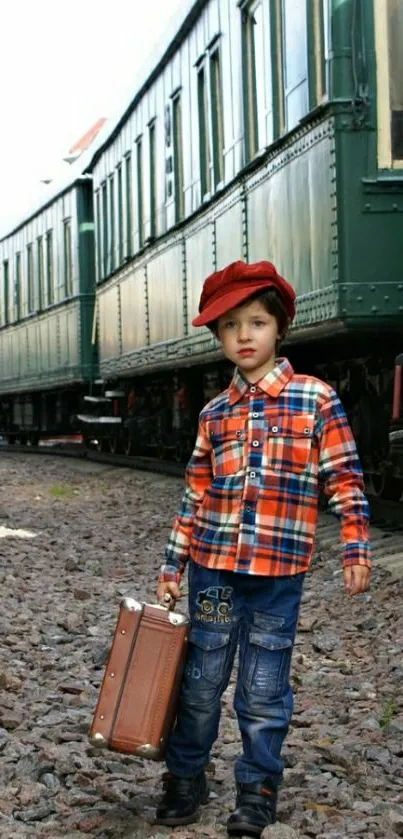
(357, 553)
(169, 574)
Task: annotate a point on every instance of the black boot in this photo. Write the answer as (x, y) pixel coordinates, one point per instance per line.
(182, 799)
(255, 809)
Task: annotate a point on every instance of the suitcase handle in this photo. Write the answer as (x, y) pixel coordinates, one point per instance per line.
(168, 602)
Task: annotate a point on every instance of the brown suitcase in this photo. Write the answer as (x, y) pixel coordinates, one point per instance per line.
(137, 704)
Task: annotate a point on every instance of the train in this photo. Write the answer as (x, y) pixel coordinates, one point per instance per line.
(270, 129)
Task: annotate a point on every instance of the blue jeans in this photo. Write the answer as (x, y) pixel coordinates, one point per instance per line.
(258, 614)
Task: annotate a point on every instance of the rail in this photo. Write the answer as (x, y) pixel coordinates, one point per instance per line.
(384, 514)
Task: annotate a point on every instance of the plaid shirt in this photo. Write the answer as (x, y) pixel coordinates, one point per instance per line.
(251, 498)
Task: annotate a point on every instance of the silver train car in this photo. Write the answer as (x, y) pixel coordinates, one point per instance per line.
(46, 313)
(265, 129)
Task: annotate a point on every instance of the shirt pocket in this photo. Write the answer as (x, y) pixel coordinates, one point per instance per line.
(289, 443)
(228, 437)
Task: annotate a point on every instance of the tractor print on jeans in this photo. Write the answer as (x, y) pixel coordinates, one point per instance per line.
(214, 605)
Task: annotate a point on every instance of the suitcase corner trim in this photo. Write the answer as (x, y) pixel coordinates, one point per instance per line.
(131, 604)
(98, 740)
(147, 750)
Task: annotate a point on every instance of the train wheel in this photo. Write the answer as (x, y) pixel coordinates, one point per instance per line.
(180, 453)
(393, 488)
(113, 444)
(161, 450)
(385, 486)
(375, 484)
(128, 446)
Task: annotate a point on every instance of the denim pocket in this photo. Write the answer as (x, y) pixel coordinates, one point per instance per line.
(267, 664)
(268, 622)
(207, 655)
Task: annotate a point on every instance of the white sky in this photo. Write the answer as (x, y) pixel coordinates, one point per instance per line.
(62, 66)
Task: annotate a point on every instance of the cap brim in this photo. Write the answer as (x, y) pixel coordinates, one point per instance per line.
(230, 301)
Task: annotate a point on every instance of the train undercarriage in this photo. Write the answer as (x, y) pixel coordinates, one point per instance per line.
(156, 415)
(41, 416)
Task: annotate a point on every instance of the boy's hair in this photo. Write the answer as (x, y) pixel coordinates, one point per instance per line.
(272, 301)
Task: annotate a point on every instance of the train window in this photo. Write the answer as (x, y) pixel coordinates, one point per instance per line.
(153, 172)
(217, 118)
(324, 36)
(139, 162)
(178, 157)
(318, 52)
(105, 243)
(98, 228)
(6, 292)
(120, 213)
(129, 212)
(112, 220)
(17, 287)
(40, 271)
(68, 268)
(395, 50)
(389, 67)
(295, 61)
(257, 79)
(204, 133)
(30, 279)
(49, 268)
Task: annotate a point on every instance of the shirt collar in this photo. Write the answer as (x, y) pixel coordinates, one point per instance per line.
(272, 383)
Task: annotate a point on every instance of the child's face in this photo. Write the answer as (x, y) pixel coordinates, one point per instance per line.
(248, 335)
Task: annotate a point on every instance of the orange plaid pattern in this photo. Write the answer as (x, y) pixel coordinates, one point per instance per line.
(252, 482)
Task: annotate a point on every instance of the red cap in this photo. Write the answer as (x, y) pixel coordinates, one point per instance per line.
(226, 289)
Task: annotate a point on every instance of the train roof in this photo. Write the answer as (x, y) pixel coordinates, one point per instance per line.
(68, 175)
(179, 25)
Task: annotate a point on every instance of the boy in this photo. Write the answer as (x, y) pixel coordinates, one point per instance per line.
(247, 524)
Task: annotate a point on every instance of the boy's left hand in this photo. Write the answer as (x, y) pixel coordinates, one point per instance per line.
(356, 579)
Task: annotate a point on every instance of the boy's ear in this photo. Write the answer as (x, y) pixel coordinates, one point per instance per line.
(285, 330)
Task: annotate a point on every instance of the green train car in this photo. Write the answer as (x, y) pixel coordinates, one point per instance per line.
(46, 314)
(261, 129)
(270, 129)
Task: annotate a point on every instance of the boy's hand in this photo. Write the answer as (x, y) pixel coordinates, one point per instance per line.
(356, 579)
(168, 588)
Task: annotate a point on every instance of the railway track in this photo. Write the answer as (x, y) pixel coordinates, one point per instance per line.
(386, 516)
(146, 464)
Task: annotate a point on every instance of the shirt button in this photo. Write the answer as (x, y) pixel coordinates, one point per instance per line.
(274, 428)
(255, 443)
(255, 415)
(253, 474)
(306, 430)
(253, 389)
